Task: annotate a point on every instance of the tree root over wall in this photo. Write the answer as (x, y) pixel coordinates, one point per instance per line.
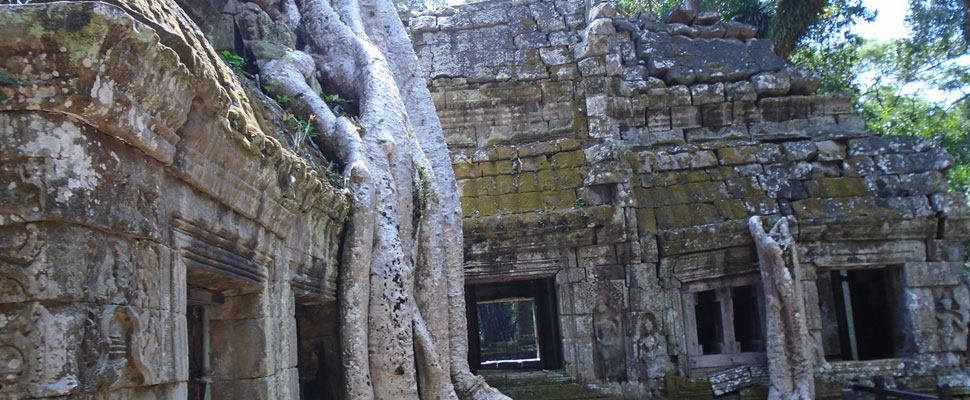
(403, 327)
(789, 347)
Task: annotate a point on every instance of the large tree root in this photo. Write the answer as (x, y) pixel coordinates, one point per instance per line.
(789, 347)
(401, 274)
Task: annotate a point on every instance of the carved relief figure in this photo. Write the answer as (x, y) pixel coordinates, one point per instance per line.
(650, 349)
(112, 349)
(607, 330)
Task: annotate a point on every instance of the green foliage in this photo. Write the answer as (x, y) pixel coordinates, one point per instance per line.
(653, 9)
(304, 127)
(920, 85)
(234, 61)
(335, 102)
(282, 99)
(334, 177)
(271, 85)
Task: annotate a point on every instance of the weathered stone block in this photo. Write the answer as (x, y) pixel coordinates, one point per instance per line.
(646, 221)
(884, 185)
(932, 273)
(881, 145)
(243, 354)
(936, 159)
(836, 187)
(705, 93)
(858, 166)
(829, 150)
(703, 159)
(684, 117)
(712, 134)
(558, 198)
(731, 209)
(738, 155)
(715, 115)
(686, 215)
(658, 119)
(799, 150)
(746, 112)
(771, 84)
(804, 81)
(925, 183)
(593, 66)
(706, 192)
(944, 250)
(568, 159)
(923, 323)
(678, 95)
(740, 31)
(861, 252)
(777, 109)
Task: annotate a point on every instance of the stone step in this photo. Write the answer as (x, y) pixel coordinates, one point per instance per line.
(536, 385)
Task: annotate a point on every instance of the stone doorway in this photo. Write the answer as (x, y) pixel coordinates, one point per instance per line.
(513, 325)
(318, 354)
(199, 303)
(859, 313)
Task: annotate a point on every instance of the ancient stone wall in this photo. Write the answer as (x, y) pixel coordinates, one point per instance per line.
(143, 194)
(622, 159)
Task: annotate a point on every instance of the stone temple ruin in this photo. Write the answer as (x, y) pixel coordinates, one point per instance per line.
(608, 169)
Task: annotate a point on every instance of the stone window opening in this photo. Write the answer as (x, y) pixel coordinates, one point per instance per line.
(724, 323)
(513, 325)
(199, 303)
(859, 314)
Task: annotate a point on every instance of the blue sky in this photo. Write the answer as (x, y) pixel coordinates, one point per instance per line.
(890, 24)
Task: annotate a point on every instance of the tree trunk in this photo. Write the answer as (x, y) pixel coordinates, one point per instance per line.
(790, 356)
(401, 275)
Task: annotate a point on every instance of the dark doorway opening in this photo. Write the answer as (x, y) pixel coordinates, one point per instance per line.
(513, 325)
(318, 354)
(863, 303)
(198, 304)
(708, 318)
(748, 330)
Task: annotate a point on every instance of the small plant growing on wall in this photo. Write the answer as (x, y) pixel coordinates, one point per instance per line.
(234, 61)
(335, 102)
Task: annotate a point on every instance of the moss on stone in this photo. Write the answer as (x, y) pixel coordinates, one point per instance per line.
(469, 206)
(546, 180)
(505, 167)
(646, 221)
(836, 187)
(731, 209)
(567, 159)
(558, 198)
(463, 170)
(568, 178)
(504, 184)
(738, 155)
(569, 144)
(484, 169)
(526, 182)
(502, 153)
